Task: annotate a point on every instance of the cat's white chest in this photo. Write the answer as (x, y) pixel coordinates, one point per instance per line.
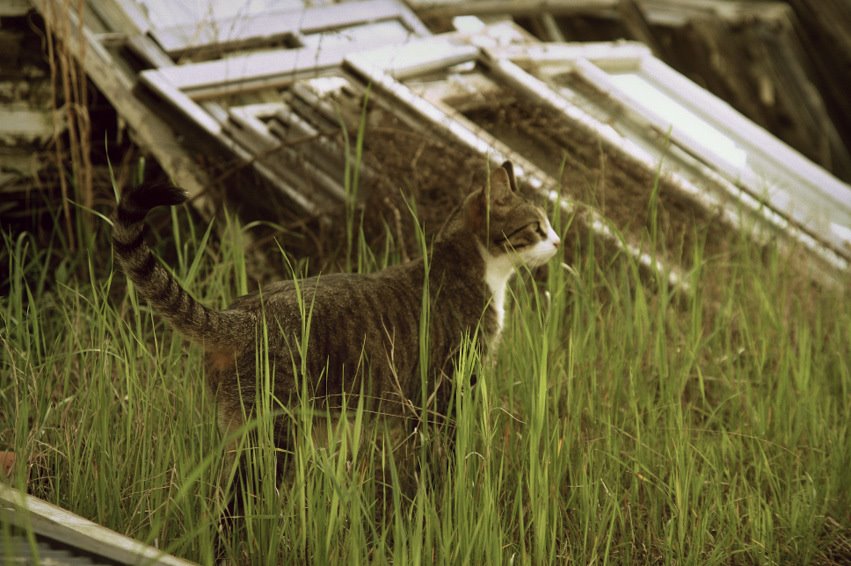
(498, 271)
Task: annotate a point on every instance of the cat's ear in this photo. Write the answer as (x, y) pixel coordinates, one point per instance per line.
(509, 168)
(477, 206)
(500, 184)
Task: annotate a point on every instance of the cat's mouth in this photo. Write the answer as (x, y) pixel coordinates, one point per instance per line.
(546, 249)
(541, 258)
(540, 253)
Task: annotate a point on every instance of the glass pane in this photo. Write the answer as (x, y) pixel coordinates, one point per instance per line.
(680, 118)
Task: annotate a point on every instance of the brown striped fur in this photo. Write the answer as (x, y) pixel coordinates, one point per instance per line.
(363, 330)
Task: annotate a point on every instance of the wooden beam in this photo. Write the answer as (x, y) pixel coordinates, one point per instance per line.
(52, 522)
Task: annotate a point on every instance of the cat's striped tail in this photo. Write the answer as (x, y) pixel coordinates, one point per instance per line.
(228, 329)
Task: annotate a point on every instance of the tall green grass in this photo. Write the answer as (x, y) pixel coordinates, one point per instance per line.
(619, 422)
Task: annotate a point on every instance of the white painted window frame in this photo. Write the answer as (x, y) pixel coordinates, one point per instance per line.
(781, 186)
(290, 21)
(385, 69)
(696, 175)
(194, 87)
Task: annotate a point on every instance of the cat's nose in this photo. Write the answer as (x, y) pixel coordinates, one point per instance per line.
(556, 241)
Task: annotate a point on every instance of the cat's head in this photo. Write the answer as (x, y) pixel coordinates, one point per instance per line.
(507, 224)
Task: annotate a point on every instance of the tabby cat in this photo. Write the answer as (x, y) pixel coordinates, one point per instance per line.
(363, 330)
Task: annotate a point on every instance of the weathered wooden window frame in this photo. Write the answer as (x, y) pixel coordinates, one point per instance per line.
(781, 187)
(238, 128)
(696, 175)
(284, 23)
(194, 87)
(385, 69)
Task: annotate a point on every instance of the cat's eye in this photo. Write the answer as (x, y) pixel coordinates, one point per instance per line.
(506, 237)
(512, 237)
(535, 227)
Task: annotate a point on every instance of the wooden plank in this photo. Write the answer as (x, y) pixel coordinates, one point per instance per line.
(413, 22)
(30, 513)
(272, 151)
(447, 120)
(677, 12)
(167, 12)
(417, 57)
(456, 126)
(620, 144)
(248, 29)
(328, 103)
(276, 140)
(274, 68)
(21, 162)
(22, 125)
(459, 94)
(123, 16)
(158, 82)
(324, 153)
(450, 8)
(620, 54)
(17, 549)
(245, 144)
(149, 51)
(776, 85)
(260, 110)
(390, 32)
